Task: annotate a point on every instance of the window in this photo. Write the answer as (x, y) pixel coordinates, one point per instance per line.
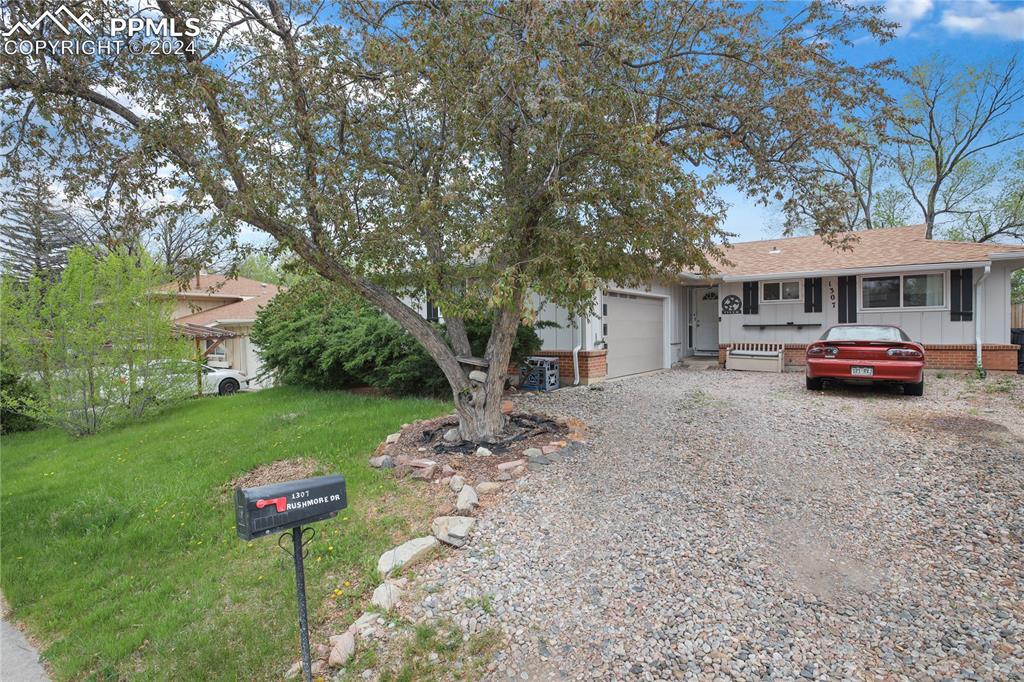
(923, 291)
(780, 292)
(926, 290)
(880, 292)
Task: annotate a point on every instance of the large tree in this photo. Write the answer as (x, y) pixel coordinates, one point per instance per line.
(955, 118)
(35, 233)
(472, 151)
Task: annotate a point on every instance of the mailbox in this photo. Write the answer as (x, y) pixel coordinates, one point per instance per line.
(282, 506)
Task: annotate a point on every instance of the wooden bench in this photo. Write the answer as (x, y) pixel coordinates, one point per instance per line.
(755, 357)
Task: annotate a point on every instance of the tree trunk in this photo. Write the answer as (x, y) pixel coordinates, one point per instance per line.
(479, 409)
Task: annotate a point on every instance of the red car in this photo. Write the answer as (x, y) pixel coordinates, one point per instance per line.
(866, 352)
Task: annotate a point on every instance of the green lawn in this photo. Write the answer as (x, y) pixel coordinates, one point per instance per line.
(119, 550)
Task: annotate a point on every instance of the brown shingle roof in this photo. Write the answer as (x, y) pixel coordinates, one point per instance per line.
(243, 297)
(886, 247)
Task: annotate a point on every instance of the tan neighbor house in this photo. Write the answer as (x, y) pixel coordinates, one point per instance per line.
(218, 302)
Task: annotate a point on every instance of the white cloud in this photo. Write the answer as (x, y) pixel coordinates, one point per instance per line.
(984, 17)
(906, 12)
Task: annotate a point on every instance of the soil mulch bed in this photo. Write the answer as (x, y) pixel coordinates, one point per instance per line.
(425, 441)
(276, 472)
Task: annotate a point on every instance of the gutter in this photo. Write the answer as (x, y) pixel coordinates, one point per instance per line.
(977, 318)
(858, 271)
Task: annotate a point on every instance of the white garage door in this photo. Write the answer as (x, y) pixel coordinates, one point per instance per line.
(635, 333)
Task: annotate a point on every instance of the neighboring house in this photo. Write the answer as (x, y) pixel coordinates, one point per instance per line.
(954, 297)
(218, 302)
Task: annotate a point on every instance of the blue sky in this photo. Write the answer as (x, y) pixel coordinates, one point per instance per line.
(964, 31)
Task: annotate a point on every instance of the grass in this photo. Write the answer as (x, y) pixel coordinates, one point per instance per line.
(119, 550)
(431, 652)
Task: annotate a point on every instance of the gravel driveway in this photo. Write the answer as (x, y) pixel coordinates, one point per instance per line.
(724, 524)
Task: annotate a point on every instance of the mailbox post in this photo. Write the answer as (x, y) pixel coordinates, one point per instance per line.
(284, 508)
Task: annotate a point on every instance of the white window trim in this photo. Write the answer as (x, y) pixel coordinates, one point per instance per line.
(780, 282)
(904, 308)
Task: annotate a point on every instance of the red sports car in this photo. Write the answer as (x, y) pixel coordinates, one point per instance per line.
(866, 352)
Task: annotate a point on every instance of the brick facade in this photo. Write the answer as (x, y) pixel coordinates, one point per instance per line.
(593, 365)
(998, 357)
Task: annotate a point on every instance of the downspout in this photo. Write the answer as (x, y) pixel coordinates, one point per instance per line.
(576, 352)
(977, 319)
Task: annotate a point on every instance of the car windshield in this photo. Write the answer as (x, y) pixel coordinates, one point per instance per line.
(865, 333)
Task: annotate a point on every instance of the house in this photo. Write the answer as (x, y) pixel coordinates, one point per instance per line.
(954, 297)
(221, 303)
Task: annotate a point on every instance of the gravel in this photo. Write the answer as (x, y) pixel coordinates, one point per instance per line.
(734, 525)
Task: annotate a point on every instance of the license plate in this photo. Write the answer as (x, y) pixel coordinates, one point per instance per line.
(862, 371)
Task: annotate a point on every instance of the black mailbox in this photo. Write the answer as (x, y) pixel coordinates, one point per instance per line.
(279, 507)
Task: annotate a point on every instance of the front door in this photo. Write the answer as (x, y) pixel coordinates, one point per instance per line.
(705, 320)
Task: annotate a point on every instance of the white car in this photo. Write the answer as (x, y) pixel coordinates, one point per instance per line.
(223, 381)
(216, 380)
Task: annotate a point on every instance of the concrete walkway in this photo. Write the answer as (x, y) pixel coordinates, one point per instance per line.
(18, 659)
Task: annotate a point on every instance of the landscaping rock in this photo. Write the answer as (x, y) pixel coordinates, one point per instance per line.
(392, 438)
(531, 452)
(447, 470)
(407, 553)
(382, 462)
(456, 483)
(424, 473)
(364, 625)
(452, 530)
(452, 435)
(294, 671)
(483, 452)
(508, 466)
(540, 459)
(343, 646)
(478, 376)
(506, 407)
(402, 470)
(386, 596)
(503, 476)
(467, 499)
(487, 487)
(548, 449)
(421, 463)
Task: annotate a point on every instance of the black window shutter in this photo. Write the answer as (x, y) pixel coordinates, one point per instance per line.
(847, 299)
(812, 295)
(433, 313)
(750, 298)
(961, 294)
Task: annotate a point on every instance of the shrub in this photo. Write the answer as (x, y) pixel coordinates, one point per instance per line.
(16, 399)
(316, 334)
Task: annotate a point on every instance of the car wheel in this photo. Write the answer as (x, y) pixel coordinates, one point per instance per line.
(814, 384)
(914, 389)
(228, 386)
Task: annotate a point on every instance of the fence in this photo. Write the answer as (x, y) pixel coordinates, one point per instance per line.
(1017, 315)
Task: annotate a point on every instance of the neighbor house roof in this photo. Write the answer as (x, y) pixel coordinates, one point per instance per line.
(867, 249)
(242, 298)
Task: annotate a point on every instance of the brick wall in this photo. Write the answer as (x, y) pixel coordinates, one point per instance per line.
(593, 365)
(948, 356)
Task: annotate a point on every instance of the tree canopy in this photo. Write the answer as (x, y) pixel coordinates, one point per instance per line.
(468, 151)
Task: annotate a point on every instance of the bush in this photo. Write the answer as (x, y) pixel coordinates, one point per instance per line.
(316, 334)
(16, 395)
(88, 341)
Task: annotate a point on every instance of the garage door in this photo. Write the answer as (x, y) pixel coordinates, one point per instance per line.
(635, 333)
